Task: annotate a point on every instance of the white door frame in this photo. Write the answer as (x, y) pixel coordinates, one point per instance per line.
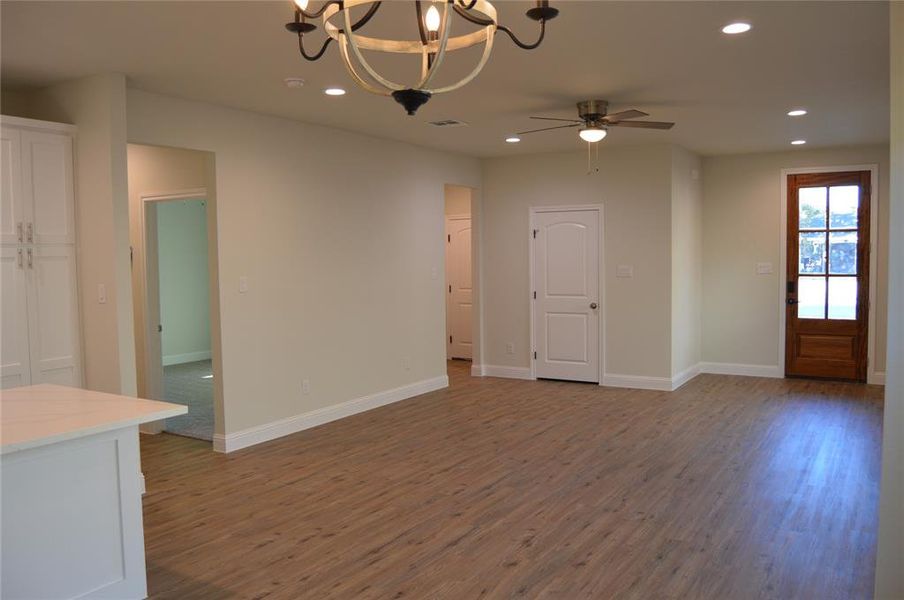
(532, 212)
(872, 376)
(147, 199)
(450, 218)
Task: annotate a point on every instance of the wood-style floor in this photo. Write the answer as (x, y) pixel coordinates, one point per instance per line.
(729, 488)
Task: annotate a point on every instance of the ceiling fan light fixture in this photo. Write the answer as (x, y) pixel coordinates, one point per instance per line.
(592, 134)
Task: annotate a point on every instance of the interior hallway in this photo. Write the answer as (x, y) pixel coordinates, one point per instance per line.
(731, 487)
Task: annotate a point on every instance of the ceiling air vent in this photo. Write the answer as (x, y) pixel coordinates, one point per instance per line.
(449, 123)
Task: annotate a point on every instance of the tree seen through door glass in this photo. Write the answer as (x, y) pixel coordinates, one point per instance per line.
(844, 200)
(812, 208)
(843, 252)
(812, 252)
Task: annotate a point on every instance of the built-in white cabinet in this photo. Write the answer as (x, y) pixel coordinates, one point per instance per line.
(39, 333)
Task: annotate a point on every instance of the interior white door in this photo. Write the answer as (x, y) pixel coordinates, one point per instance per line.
(53, 317)
(459, 288)
(567, 304)
(48, 187)
(15, 369)
(12, 206)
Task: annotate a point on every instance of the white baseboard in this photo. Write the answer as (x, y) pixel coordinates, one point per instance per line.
(876, 378)
(685, 376)
(178, 359)
(637, 382)
(277, 429)
(773, 371)
(500, 371)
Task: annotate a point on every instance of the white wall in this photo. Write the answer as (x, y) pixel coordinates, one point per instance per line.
(182, 264)
(97, 106)
(634, 185)
(687, 260)
(341, 239)
(890, 558)
(742, 226)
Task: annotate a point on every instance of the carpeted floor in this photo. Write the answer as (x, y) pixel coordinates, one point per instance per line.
(190, 384)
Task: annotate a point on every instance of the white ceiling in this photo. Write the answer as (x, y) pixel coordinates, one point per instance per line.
(727, 94)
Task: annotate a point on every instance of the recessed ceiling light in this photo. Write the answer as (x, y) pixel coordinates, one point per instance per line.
(513, 139)
(798, 142)
(797, 112)
(334, 91)
(294, 82)
(735, 28)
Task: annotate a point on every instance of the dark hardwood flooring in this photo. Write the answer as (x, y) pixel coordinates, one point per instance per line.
(729, 488)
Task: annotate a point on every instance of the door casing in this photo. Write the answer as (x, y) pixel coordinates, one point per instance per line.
(532, 212)
(872, 376)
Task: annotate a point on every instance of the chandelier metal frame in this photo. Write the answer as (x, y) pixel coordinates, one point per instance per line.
(433, 45)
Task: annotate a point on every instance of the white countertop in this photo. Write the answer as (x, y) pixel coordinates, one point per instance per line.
(44, 414)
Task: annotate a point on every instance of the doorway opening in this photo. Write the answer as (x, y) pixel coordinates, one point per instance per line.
(459, 243)
(174, 278)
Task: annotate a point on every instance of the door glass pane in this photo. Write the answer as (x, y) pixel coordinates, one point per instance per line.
(843, 253)
(843, 203)
(843, 298)
(812, 208)
(812, 253)
(811, 294)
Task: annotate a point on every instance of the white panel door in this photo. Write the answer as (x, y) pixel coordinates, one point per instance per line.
(15, 369)
(48, 187)
(566, 309)
(12, 206)
(459, 288)
(53, 316)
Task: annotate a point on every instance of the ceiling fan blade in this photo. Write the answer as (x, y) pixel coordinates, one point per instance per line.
(549, 128)
(643, 124)
(555, 119)
(625, 114)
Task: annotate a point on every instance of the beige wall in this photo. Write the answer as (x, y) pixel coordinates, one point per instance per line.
(687, 259)
(742, 226)
(341, 239)
(96, 105)
(634, 185)
(890, 558)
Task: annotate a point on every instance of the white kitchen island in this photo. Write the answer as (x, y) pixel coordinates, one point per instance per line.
(71, 493)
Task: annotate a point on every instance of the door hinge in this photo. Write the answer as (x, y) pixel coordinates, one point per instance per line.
(450, 289)
(450, 339)
(449, 238)
(535, 355)
(535, 295)
(535, 233)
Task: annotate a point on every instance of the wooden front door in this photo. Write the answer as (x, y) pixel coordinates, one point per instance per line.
(827, 300)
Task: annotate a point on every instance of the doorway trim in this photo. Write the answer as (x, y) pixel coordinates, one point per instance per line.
(146, 199)
(532, 212)
(872, 376)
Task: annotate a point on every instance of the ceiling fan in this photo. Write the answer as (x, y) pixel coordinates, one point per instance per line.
(594, 122)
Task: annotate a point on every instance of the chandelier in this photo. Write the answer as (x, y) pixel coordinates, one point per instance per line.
(436, 41)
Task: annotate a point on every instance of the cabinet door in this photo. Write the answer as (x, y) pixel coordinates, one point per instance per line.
(53, 316)
(14, 358)
(48, 187)
(12, 205)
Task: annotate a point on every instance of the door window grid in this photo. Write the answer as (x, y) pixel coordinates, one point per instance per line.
(827, 252)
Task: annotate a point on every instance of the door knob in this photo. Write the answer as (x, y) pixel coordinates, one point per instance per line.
(593, 305)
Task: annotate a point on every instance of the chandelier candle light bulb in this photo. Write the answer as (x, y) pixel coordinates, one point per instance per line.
(435, 41)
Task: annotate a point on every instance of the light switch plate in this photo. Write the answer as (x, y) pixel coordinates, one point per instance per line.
(624, 271)
(764, 268)
(243, 284)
